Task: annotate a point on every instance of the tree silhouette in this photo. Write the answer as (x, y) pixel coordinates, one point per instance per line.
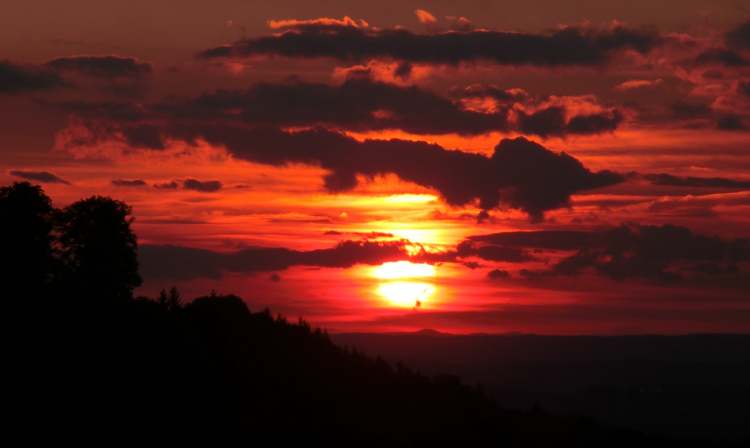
(171, 300)
(99, 249)
(25, 226)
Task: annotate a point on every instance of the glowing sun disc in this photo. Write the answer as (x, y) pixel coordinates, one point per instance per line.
(406, 294)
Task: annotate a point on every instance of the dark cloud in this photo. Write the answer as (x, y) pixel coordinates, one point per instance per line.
(491, 252)
(498, 274)
(699, 182)
(722, 56)
(490, 91)
(662, 253)
(744, 88)
(553, 121)
(119, 111)
(356, 104)
(561, 47)
(103, 66)
(39, 176)
(547, 239)
(182, 263)
(17, 78)
(362, 104)
(208, 186)
(403, 71)
(143, 136)
(520, 173)
(129, 183)
(594, 123)
(688, 110)
(739, 38)
(167, 185)
(731, 122)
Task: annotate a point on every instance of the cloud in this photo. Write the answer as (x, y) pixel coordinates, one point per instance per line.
(690, 110)
(491, 252)
(167, 185)
(320, 22)
(129, 183)
(722, 57)
(569, 46)
(698, 182)
(638, 84)
(356, 104)
(739, 37)
(18, 78)
(546, 239)
(359, 104)
(660, 253)
(183, 263)
(630, 251)
(425, 17)
(107, 66)
(39, 176)
(498, 274)
(553, 121)
(491, 91)
(731, 122)
(208, 186)
(520, 174)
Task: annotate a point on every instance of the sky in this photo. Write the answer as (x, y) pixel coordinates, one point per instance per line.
(552, 167)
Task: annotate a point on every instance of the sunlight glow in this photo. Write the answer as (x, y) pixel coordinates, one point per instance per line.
(403, 269)
(411, 198)
(406, 294)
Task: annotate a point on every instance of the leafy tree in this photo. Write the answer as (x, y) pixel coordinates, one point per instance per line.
(99, 249)
(25, 237)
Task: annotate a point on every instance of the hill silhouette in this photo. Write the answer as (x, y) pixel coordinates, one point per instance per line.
(96, 364)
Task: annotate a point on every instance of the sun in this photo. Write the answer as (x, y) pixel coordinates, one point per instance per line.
(400, 288)
(406, 294)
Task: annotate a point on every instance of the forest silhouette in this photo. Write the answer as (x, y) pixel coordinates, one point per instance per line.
(95, 362)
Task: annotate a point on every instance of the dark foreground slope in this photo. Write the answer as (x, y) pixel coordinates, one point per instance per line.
(212, 368)
(693, 386)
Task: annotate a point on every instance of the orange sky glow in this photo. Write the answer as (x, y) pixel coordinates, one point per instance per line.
(393, 186)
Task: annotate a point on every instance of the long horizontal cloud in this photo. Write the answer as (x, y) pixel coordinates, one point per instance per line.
(16, 78)
(660, 253)
(204, 186)
(553, 121)
(630, 251)
(39, 176)
(106, 66)
(563, 47)
(722, 56)
(362, 104)
(182, 263)
(129, 183)
(698, 182)
(357, 104)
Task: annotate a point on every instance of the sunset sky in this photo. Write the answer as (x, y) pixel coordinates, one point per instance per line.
(543, 166)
